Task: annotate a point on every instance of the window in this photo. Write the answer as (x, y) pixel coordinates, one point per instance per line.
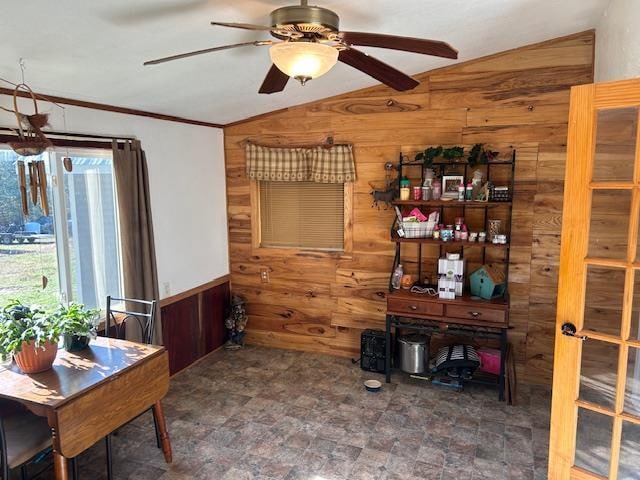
(302, 215)
(73, 253)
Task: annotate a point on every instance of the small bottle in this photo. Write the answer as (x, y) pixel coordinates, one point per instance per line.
(461, 192)
(436, 232)
(396, 280)
(464, 234)
(468, 193)
(405, 189)
(436, 190)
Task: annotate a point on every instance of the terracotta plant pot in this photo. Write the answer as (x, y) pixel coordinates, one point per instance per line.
(32, 359)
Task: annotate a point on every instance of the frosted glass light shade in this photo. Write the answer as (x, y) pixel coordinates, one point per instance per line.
(303, 60)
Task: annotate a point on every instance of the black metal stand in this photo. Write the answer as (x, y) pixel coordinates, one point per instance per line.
(434, 327)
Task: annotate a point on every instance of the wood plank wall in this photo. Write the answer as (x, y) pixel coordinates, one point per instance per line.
(518, 98)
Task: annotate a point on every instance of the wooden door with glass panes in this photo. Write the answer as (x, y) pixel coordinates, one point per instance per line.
(595, 415)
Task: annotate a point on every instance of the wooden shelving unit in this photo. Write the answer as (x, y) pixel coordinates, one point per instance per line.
(467, 315)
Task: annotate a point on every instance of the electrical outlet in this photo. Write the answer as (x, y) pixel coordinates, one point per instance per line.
(264, 275)
(166, 289)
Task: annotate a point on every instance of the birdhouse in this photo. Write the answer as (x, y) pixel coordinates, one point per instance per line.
(487, 282)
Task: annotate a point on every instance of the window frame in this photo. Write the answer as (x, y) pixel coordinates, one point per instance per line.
(256, 232)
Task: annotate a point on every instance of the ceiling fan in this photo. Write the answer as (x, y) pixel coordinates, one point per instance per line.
(309, 43)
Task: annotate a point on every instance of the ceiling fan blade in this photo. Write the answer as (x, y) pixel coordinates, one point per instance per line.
(245, 26)
(377, 69)
(407, 44)
(206, 50)
(275, 81)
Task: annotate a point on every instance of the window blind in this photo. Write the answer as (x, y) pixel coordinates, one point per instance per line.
(302, 215)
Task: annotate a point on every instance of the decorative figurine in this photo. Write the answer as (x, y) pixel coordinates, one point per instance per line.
(390, 191)
(236, 323)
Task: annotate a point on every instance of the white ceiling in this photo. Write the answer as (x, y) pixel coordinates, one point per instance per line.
(94, 51)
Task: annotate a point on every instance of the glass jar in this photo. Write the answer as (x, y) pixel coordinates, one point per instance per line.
(436, 190)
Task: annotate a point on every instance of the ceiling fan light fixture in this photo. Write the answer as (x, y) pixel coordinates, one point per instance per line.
(303, 60)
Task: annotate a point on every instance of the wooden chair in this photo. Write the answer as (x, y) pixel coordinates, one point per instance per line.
(115, 326)
(23, 436)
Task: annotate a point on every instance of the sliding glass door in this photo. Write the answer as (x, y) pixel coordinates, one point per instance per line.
(72, 254)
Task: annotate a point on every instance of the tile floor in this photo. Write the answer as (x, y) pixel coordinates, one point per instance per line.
(268, 414)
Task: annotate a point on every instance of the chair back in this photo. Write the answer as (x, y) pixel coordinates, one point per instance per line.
(143, 312)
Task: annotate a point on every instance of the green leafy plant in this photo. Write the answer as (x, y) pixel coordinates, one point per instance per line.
(480, 155)
(21, 323)
(76, 319)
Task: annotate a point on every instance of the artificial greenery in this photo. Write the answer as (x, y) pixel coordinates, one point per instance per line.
(430, 154)
(480, 155)
(427, 156)
(452, 153)
(21, 323)
(76, 319)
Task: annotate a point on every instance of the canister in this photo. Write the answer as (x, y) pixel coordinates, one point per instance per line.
(414, 353)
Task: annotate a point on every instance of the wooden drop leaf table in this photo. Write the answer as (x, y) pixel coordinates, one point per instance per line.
(89, 394)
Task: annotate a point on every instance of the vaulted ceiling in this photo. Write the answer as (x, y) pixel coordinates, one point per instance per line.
(94, 51)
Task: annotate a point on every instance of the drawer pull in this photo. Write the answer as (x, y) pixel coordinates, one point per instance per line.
(413, 307)
(475, 314)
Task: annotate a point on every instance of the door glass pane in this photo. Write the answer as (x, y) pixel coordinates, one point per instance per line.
(615, 144)
(610, 211)
(593, 442)
(629, 467)
(598, 373)
(632, 389)
(634, 334)
(93, 229)
(603, 299)
(27, 244)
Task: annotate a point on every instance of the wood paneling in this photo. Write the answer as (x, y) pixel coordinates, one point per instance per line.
(193, 323)
(518, 98)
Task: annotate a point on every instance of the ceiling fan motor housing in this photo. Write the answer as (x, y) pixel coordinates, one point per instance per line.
(306, 20)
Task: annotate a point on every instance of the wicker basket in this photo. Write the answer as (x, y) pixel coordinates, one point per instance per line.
(31, 141)
(418, 229)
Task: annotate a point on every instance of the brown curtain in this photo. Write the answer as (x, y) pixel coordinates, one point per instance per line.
(136, 230)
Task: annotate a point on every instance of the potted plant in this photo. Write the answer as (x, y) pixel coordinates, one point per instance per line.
(29, 335)
(78, 323)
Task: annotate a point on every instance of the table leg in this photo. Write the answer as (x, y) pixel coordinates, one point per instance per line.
(60, 466)
(158, 414)
(387, 352)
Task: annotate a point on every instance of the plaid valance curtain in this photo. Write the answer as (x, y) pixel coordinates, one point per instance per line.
(333, 164)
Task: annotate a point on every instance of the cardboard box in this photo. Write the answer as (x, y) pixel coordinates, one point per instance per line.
(446, 288)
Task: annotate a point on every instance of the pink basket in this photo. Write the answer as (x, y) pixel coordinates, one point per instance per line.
(489, 360)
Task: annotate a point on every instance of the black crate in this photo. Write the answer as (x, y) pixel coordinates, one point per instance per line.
(372, 351)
